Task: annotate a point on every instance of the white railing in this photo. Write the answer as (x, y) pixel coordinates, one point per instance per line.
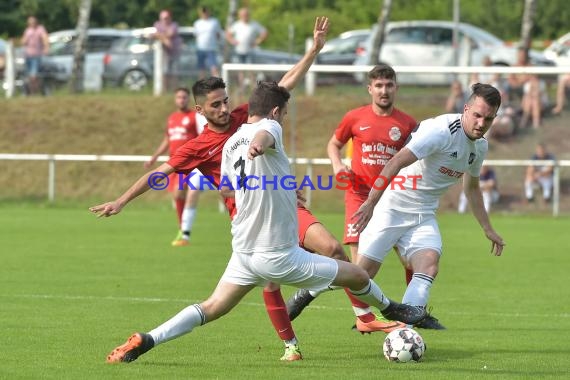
(309, 162)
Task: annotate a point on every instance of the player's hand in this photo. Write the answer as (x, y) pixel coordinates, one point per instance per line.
(497, 243)
(344, 173)
(106, 209)
(148, 164)
(255, 149)
(320, 32)
(362, 216)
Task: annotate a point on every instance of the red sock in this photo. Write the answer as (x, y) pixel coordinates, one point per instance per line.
(368, 317)
(179, 209)
(277, 312)
(409, 275)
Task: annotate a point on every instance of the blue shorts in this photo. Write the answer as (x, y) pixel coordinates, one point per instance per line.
(244, 58)
(33, 66)
(207, 59)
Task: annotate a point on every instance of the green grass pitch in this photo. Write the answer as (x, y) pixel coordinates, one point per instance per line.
(72, 287)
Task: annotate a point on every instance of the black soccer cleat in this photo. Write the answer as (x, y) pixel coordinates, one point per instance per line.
(404, 313)
(298, 302)
(430, 322)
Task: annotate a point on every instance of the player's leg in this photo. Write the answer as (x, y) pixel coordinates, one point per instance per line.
(224, 298)
(235, 283)
(421, 248)
(314, 237)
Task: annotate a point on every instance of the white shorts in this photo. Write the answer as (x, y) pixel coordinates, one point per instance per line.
(293, 266)
(408, 232)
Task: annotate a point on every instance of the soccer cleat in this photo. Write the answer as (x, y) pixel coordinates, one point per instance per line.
(180, 243)
(430, 322)
(179, 240)
(379, 324)
(404, 313)
(135, 346)
(292, 353)
(299, 301)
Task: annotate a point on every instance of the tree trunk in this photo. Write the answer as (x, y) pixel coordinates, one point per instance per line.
(379, 35)
(232, 12)
(527, 24)
(77, 74)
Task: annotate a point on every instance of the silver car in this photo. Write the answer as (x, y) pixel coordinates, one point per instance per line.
(129, 63)
(559, 51)
(430, 43)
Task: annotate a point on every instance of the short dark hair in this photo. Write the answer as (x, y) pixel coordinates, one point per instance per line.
(203, 87)
(182, 88)
(488, 93)
(266, 96)
(382, 71)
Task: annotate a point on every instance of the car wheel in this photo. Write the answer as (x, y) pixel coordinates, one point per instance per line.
(135, 80)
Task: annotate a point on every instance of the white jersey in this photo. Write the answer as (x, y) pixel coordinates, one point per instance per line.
(207, 32)
(245, 33)
(266, 219)
(444, 154)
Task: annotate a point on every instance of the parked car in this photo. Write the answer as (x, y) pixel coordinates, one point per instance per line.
(559, 51)
(429, 43)
(62, 47)
(129, 63)
(343, 49)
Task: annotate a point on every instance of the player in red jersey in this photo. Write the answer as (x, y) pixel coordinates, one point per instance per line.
(183, 124)
(204, 153)
(378, 131)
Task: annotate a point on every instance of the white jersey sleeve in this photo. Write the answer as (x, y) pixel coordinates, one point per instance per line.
(428, 138)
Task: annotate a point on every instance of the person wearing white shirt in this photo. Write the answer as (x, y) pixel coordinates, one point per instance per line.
(208, 32)
(401, 214)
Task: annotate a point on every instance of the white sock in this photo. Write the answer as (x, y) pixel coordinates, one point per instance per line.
(372, 295)
(188, 216)
(182, 323)
(417, 293)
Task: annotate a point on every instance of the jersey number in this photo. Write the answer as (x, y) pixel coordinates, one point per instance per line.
(241, 165)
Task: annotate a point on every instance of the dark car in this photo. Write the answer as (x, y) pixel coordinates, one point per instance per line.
(129, 63)
(343, 49)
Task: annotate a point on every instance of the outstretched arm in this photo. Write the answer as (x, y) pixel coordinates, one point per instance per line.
(142, 185)
(293, 76)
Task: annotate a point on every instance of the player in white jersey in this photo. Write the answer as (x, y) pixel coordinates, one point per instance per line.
(440, 152)
(265, 241)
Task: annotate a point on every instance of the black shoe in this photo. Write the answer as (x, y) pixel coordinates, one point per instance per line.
(299, 301)
(404, 313)
(430, 322)
(135, 346)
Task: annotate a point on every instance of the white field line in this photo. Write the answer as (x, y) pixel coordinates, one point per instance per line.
(255, 304)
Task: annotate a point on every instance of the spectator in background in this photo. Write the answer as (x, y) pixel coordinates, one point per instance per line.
(489, 189)
(456, 99)
(563, 83)
(208, 32)
(167, 34)
(245, 35)
(36, 45)
(542, 175)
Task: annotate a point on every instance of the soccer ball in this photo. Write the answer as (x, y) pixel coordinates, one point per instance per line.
(403, 345)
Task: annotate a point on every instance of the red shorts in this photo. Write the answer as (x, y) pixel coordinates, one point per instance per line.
(352, 203)
(305, 220)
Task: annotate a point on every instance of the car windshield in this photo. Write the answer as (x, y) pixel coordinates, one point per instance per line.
(60, 45)
(481, 35)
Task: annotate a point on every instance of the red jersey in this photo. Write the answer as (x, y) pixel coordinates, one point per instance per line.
(375, 139)
(205, 152)
(181, 127)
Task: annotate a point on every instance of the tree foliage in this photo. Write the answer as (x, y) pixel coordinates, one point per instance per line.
(500, 17)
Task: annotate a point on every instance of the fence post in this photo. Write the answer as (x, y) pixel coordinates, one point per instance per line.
(309, 175)
(51, 179)
(158, 69)
(311, 76)
(556, 191)
(10, 69)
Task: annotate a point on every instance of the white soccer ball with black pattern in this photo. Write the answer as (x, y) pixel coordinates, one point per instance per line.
(404, 345)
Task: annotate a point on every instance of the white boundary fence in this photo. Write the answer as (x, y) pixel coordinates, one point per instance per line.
(309, 162)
